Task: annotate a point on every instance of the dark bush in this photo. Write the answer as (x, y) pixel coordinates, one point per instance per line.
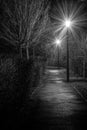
(17, 77)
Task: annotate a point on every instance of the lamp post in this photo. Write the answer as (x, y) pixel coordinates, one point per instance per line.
(68, 24)
(70, 18)
(67, 58)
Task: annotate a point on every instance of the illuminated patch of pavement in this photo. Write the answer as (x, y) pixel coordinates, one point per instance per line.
(60, 105)
(60, 100)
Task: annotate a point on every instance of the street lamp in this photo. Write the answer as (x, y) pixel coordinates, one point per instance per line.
(68, 25)
(70, 18)
(58, 42)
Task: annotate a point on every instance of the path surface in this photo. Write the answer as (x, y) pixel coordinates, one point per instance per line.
(59, 106)
(55, 106)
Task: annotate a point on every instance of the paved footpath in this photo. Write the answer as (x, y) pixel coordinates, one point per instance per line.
(59, 106)
(56, 106)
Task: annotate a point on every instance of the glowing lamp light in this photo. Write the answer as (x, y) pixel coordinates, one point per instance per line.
(68, 23)
(58, 42)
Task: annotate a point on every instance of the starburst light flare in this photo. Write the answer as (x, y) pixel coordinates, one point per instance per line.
(68, 23)
(68, 16)
(57, 42)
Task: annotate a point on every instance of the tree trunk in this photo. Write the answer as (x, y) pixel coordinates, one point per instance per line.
(27, 51)
(84, 69)
(84, 63)
(21, 52)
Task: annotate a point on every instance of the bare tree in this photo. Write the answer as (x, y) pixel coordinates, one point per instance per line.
(24, 22)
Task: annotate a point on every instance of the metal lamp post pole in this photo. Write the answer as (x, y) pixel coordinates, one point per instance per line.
(67, 58)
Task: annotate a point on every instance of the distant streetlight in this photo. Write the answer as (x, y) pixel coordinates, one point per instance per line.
(58, 43)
